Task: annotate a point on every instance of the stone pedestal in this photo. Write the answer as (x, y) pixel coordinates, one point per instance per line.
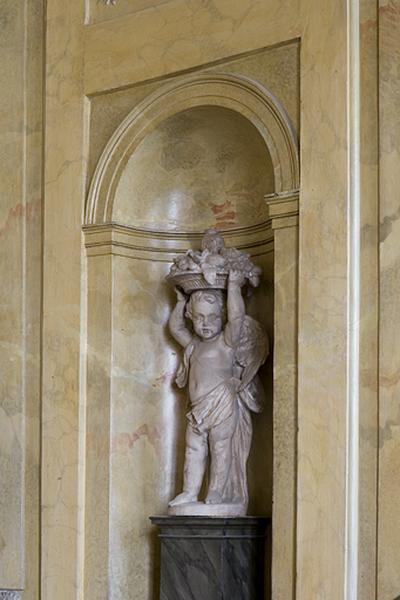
(208, 558)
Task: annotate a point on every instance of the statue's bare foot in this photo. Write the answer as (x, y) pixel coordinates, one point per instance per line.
(213, 497)
(183, 498)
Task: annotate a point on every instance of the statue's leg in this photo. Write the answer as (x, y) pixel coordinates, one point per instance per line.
(220, 439)
(195, 465)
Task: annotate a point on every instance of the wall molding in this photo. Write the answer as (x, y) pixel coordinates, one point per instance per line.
(146, 244)
(283, 209)
(352, 517)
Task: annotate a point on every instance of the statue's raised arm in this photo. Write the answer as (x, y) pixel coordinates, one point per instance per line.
(177, 324)
(236, 309)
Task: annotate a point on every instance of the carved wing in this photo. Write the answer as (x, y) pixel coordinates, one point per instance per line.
(252, 350)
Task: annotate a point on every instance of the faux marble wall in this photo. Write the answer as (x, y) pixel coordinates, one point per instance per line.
(389, 377)
(116, 61)
(20, 272)
(63, 311)
(147, 421)
(104, 10)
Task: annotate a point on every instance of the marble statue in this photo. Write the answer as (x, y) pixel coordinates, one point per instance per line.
(222, 355)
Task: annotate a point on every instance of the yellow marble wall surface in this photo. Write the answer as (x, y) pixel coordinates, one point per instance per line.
(286, 242)
(126, 51)
(369, 217)
(96, 432)
(389, 378)
(104, 10)
(64, 314)
(328, 266)
(106, 58)
(20, 271)
(182, 35)
(147, 423)
(323, 287)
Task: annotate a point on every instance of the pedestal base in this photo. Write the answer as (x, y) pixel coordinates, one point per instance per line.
(200, 509)
(209, 558)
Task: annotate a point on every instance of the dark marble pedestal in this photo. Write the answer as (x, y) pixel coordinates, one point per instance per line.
(210, 558)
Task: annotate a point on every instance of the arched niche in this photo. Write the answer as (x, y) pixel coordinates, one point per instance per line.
(133, 228)
(237, 93)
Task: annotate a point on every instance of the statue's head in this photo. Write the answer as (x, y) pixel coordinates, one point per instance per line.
(212, 241)
(206, 309)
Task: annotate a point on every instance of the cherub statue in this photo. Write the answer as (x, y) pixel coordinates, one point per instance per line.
(221, 359)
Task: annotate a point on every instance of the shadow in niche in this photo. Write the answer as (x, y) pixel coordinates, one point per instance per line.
(156, 553)
(182, 407)
(260, 305)
(268, 563)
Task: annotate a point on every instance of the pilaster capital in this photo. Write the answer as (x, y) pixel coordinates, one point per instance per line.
(283, 208)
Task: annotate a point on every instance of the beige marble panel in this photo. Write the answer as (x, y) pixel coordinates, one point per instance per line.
(97, 426)
(147, 421)
(389, 379)
(104, 10)
(20, 270)
(186, 35)
(277, 68)
(369, 301)
(12, 217)
(203, 167)
(182, 35)
(285, 413)
(322, 304)
(63, 307)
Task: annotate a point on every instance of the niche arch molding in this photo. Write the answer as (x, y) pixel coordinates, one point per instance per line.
(235, 92)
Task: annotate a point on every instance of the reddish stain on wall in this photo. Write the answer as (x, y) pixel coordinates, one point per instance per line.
(225, 215)
(19, 211)
(164, 379)
(123, 442)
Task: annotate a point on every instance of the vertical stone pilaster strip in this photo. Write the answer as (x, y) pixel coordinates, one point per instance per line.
(283, 209)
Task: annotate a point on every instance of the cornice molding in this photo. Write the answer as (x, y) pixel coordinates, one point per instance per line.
(283, 209)
(162, 246)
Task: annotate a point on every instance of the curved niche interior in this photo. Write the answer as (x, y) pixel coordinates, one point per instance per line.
(205, 166)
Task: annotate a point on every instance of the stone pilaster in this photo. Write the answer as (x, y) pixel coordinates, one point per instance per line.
(284, 210)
